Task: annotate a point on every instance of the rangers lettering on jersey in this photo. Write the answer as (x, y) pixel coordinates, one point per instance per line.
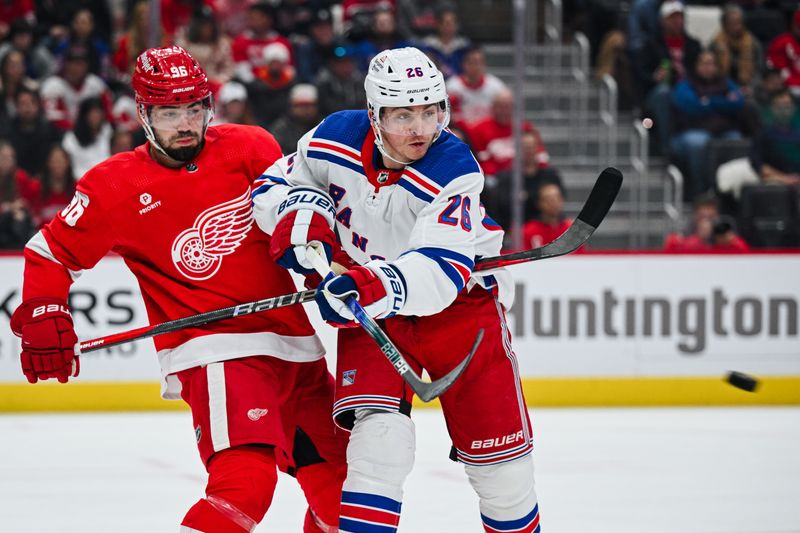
(394, 214)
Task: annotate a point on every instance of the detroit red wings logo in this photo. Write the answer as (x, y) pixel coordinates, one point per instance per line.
(217, 232)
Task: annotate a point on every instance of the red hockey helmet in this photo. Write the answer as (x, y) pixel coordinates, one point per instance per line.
(169, 76)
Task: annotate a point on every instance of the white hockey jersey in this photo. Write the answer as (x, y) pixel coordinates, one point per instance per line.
(426, 220)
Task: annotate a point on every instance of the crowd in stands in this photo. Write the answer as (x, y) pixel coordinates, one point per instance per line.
(66, 102)
(733, 95)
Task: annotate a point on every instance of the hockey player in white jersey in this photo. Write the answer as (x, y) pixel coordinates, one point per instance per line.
(403, 195)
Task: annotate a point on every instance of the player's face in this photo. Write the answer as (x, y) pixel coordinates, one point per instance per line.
(179, 129)
(409, 131)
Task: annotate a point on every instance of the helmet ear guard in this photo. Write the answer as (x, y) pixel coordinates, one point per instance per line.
(404, 77)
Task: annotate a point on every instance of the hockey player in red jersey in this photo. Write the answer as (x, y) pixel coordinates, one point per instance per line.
(403, 195)
(178, 210)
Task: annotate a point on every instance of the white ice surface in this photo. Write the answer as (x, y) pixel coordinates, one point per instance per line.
(598, 470)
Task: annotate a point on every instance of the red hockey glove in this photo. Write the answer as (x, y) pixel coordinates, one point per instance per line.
(381, 291)
(306, 216)
(48, 339)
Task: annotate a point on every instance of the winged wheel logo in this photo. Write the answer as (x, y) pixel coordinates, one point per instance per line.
(218, 231)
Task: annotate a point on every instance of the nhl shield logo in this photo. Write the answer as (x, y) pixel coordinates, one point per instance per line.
(348, 377)
(145, 199)
(198, 433)
(383, 176)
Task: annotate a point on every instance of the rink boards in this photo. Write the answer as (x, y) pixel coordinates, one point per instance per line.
(611, 329)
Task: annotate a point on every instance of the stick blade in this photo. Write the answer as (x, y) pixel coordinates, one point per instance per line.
(437, 388)
(602, 197)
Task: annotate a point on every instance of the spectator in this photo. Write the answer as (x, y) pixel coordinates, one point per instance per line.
(550, 221)
(776, 151)
(496, 195)
(176, 14)
(311, 51)
(738, 51)
(643, 22)
(12, 80)
(707, 106)
(233, 105)
(383, 36)
(63, 93)
(124, 113)
(53, 17)
(613, 60)
(293, 17)
(18, 193)
(784, 55)
(82, 33)
(209, 47)
(58, 185)
(358, 16)
(665, 60)
(30, 134)
(232, 14)
(492, 139)
(771, 84)
(709, 231)
(473, 91)
(89, 141)
(447, 47)
(122, 140)
(774, 154)
(302, 115)
(340, 85)
(248, 48)
(13, 11)
(133, 41)
(416, 17)
(269, 90)
(39, 62)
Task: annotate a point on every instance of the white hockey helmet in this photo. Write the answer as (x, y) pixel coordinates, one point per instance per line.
(404, 77)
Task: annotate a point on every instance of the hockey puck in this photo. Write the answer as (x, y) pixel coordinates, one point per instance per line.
(742, 381)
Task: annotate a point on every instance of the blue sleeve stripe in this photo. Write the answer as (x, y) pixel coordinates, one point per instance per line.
(275, 179)
(490, 224)
(416, 191)
(314, 154)
(261, 190)
(265, 183)
(447, 254)
(439, 255)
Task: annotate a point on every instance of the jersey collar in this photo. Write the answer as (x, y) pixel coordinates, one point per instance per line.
(371, 160)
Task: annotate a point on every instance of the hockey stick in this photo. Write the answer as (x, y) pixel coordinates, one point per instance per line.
(600, 200)
(594, 210)
(426, 391)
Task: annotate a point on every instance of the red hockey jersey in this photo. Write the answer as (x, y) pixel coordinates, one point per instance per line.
(188, 236)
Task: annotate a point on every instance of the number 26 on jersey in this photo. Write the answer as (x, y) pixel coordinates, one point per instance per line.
(457, 213)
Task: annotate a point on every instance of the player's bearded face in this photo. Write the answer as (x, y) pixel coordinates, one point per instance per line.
(409, 131)
(179, 129)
